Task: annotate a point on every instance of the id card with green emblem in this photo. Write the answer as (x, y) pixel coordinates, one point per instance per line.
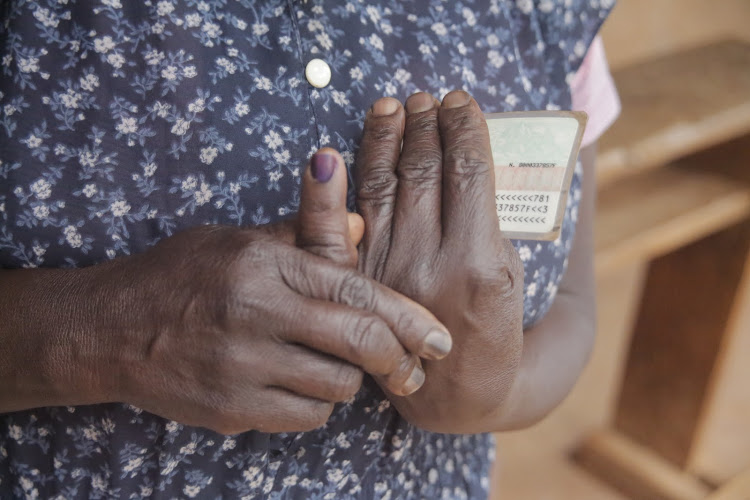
(535, 155)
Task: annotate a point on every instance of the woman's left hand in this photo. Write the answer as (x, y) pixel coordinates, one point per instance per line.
(432, 234)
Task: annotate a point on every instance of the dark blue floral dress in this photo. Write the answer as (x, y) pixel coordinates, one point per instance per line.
(125, 121)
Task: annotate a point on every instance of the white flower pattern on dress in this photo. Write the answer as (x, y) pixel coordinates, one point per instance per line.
(124, 122)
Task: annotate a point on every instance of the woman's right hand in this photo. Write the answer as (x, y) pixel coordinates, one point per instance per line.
(242, 328)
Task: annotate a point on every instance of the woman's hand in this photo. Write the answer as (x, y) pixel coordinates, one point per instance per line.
(232, 328)
(431, 233)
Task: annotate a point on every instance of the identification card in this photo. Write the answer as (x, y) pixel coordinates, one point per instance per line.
(535, 155)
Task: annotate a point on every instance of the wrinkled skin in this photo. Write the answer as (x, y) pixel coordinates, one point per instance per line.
(235, 329)
(227, 328)
(431, 233)
(244, 330)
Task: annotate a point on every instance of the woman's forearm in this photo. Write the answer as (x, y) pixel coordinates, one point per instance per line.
(556, 349)
(555, 352)
(47, 355)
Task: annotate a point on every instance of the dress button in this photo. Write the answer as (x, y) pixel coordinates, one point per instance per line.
(318, 73)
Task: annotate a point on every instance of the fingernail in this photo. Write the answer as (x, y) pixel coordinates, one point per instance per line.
(456, 99)
(322, 166)
(419, 103)
(416, 379)
(385, 106)
(437, 344)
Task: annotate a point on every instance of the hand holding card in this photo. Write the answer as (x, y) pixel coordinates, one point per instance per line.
(426, 190)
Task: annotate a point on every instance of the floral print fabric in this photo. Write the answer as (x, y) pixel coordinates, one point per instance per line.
(122, 122)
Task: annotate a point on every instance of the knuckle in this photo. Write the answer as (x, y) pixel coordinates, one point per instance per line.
(402, 370)
(363, 338)
(425, 283)
(347, 383)
(422, 165)
(500, 278)
(255, 248)
(381, 130)
(423, 123)
(464, 120)
(405, 324)
(251, 254)
(374, 347)
(356, 291)
(293, 271)
(317, 415)
(421, 284)
(227, 428)
(225, 413)
(469, 162)
(377, 186)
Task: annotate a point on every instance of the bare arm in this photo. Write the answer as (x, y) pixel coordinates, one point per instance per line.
(222, 327)
(555, 350)
(44, 358)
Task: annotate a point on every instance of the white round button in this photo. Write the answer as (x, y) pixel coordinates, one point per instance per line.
(318, 73)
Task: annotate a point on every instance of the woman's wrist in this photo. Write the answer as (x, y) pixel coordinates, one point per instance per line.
(59, 328)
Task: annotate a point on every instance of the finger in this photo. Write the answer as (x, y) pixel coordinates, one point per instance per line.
(290, 412)
(415, 327)
(356, 228)
(417, 382)
(418, 200)
(323, 224)
(358, 337)
(316, 375)
(469, 213)
(376, 179)
(272, 409)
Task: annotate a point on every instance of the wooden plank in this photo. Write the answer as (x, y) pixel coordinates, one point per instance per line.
(636, 470)
(737, 488)
(729, 159)
(687, 301)
(656, 212)
(542, 450)
(675, 105)
(666, 26)
(721, 448)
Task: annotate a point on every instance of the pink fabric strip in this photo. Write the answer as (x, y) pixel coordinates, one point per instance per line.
(594, 92)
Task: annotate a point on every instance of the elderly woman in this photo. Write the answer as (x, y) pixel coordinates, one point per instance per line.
(187, 310)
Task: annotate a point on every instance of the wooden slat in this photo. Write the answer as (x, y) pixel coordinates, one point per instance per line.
(722, 445)
(636, 470)
(682, 325)
(677, 104)
(541, 451)
(737, 488)
(666, 26)
(729, 159)
(656, 212)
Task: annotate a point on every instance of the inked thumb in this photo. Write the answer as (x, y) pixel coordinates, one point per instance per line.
(323, 225)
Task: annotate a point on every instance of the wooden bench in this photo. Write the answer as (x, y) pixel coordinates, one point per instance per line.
(674, 192)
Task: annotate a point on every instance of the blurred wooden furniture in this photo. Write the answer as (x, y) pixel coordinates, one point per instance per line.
(735, 489)
(645, 215)
(674, 105)
(674, 191)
